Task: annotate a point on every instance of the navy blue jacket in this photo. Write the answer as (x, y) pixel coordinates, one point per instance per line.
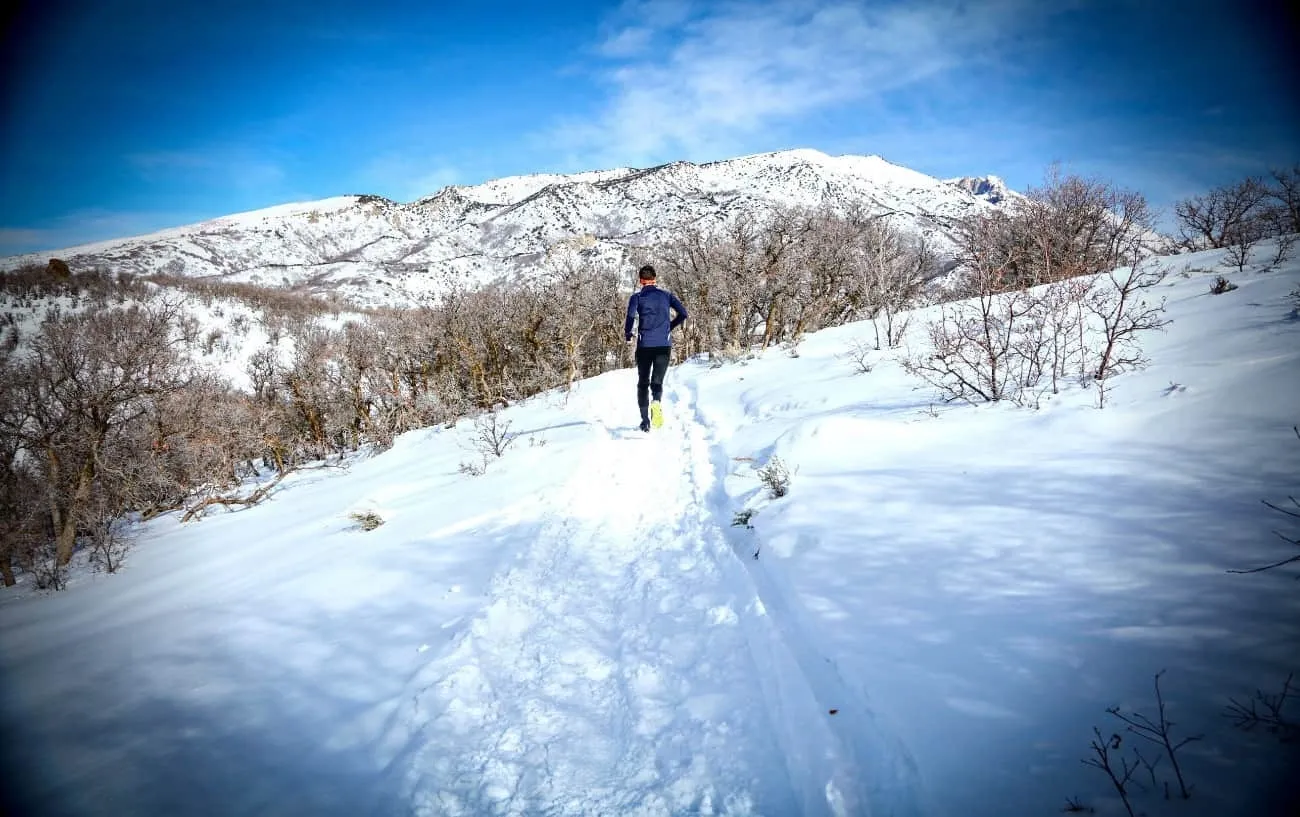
(651, 306)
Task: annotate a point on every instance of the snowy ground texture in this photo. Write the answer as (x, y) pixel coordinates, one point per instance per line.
(940, 611)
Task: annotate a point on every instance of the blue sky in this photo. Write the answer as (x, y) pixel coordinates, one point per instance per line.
(124, 116)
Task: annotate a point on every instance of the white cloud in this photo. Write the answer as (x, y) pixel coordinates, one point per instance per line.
(686, 84)
(627, 42)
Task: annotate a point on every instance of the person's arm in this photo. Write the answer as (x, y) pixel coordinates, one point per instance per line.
(681, 311)
(631, 316)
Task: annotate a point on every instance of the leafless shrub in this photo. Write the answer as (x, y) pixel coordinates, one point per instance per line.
(1283, 243)
(1284, 200)
(769, 280)
(98, 287)
(103, 524)
(1242, 239)
(47, 568)
(366, 520)
(1119, 304)
(211, 341)
(1221, 285)
(894, 270)
(1067, 227)
(776, 476)
(1237, 217)
(474, 469)
(973, 354)
(1020, 344)
(274, 303)
(1221, 217)
(860, 354)
(492, 436)
(1024, 323)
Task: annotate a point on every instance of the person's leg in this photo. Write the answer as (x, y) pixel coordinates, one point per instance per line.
(644, 362)
(660, 368)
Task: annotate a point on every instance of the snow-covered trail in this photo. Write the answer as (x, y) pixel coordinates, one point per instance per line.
(624, 664)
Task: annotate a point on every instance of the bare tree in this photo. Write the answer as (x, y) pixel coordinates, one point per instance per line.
(1284, 200)
(891, 270)
(1067, 227)
(1218, 218)
(84, 380)
(1118, 302)
(1242, 239)
(973, 353)
(583, 301)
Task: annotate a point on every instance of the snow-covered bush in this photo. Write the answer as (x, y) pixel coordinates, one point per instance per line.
(776, 476)
(473, 469)
(492, 435)
(366, 520)
(1221, 285)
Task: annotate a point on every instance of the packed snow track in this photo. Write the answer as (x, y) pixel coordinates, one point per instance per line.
(625, 664)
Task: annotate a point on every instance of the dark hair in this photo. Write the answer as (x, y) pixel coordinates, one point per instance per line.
(646, 273)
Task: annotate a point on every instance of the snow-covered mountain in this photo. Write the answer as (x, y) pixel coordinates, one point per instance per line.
(372, 250)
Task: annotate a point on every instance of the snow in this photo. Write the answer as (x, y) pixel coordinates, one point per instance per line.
(930, 622)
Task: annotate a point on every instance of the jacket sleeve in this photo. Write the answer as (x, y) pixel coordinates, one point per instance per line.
(631, 316)
(681, 311)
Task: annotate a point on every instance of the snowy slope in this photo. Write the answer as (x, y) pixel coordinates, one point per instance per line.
(940, 610)
(375, 251)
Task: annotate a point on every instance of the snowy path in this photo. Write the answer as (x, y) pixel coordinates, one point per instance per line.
(623, 665)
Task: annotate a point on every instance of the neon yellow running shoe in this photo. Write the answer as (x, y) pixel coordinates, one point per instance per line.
(656, 415)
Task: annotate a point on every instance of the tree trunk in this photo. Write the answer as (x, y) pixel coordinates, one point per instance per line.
(67, 534)
(7, 564)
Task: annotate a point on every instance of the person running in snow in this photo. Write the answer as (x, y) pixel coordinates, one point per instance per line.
(653, 347)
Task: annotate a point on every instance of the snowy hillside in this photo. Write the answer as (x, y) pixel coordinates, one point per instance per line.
(376, 251)
(931, 621)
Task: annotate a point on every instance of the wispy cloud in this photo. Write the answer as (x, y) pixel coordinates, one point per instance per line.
(87, 226)
(689, 84)
(230, 168)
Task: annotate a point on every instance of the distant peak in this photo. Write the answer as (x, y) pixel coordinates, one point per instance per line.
(990, 188)
(790, 155)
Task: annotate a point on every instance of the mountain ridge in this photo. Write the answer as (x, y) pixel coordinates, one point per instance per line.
(373, 250)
